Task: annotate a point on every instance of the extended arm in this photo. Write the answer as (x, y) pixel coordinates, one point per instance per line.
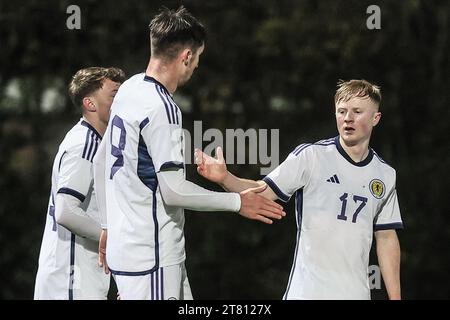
(388, 252)
(216, 170)
(177, 191)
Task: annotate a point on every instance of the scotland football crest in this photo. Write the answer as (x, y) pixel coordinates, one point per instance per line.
(377, 188)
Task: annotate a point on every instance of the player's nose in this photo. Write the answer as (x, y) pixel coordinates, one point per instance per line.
(348, 117)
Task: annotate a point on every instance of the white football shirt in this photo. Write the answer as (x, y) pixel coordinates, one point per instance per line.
(144, 136)
(339, 204)
(68, 264)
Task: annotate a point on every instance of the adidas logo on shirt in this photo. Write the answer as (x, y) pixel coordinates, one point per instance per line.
(333, 179)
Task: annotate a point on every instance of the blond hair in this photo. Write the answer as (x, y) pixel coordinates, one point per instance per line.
(357, 88)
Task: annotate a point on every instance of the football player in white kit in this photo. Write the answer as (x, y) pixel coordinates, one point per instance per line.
(69, 252)
(344, 193)
(140, 166)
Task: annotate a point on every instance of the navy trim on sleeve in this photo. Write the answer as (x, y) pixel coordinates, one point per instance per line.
(89, 126)
(388, 226)
(171, 165)
(283, 197)
(159, 90)
(60, 160)
(73, 193)
(300, 148)
(173, 107)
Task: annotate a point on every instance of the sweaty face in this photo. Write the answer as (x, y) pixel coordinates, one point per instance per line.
(355, 120)
(103, 99)
(192, 65)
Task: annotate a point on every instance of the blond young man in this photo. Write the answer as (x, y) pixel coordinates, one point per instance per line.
(344, 193)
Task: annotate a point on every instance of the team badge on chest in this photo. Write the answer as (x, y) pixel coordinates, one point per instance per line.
(377, 188)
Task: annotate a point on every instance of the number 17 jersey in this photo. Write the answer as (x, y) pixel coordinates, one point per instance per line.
(339, 204)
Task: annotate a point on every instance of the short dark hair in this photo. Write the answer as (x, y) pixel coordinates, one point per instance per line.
(88, 80)
(357, 88)
(171, 30)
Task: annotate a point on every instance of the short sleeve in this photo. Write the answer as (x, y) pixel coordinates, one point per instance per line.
(164, 141)
(293, 174)
(389, 216)
(75, 174)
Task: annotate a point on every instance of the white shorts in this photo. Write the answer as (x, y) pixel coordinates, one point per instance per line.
(166, 283)
(73, 274)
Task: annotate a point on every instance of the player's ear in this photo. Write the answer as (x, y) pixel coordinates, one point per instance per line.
(88, 105)
(376, 118)
(186, 56)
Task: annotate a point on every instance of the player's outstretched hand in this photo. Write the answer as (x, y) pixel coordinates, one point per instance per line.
(213, 169)
(102, 251)
(256, 207)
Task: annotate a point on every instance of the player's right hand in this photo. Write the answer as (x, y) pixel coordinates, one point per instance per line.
(213, 169)
(102, 251)
(256, 207)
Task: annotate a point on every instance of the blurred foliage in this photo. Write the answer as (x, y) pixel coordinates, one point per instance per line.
(267, 64)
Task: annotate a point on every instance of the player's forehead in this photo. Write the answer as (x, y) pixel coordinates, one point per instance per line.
(108, 84)
(356, 103)
(108, 87)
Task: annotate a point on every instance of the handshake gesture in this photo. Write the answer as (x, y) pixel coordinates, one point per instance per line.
(256, 197)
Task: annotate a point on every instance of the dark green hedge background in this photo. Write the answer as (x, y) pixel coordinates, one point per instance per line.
(267, 65)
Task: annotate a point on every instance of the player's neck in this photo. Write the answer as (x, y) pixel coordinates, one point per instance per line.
(98, 125)
(357, 152)
(163, 73)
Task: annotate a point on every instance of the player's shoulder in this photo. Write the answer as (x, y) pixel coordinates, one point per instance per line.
(379, 161)
(142, 86)
(161, 105)
(145, 92)
(325, 143)
(132, 90)
(82, 140)
(318, 146)
(159, 94)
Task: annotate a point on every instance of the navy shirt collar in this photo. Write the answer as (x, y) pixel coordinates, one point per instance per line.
(341, 150)
(151, 79)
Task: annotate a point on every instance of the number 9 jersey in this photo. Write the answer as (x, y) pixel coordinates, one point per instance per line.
(144, 136)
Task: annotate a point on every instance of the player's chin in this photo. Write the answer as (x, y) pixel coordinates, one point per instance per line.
(349, 138)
